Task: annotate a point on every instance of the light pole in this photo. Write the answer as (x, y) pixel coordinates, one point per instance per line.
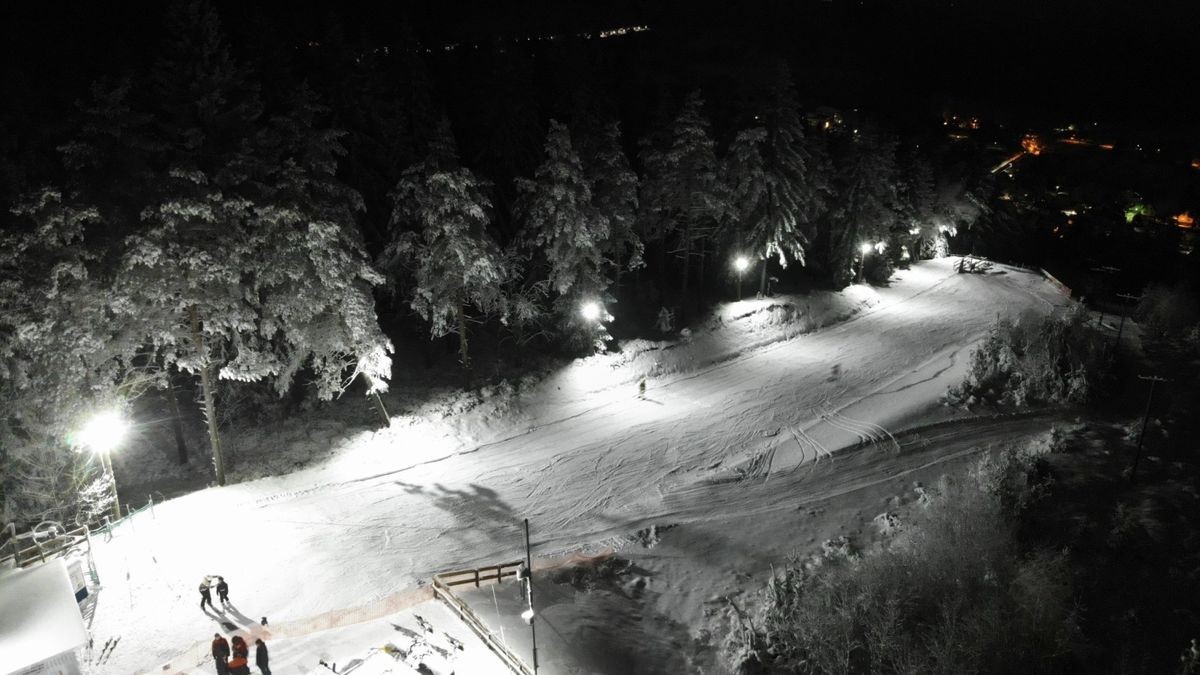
(102, 433)
(865, 247)
(740, 264)
(528, 614)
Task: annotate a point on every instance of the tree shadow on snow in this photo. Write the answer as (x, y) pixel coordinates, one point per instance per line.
(475, 508)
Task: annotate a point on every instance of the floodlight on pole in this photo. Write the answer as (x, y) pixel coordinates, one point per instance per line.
(741, 264)
(101, 434)
(865, 247)
(591, 311)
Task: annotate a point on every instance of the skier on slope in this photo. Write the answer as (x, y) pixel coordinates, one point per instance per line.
(222, 590)
(205, 593)
(220, 652)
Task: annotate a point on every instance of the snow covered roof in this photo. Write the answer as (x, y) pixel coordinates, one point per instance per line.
(41, 618)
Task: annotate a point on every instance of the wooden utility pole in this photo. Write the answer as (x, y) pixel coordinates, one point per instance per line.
(1121, 328)
(1154, 380)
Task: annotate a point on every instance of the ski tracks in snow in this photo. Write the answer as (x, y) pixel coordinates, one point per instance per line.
(867, 432)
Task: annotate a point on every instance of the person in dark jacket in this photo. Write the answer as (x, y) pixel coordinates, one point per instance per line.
(220, 652)
(239, 647)
(205, 593)
(260, 656)
(239, 666)
(222, 591)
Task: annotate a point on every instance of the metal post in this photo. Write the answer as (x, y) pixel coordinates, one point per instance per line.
(739, 286)
(529, 589)
(1154, 380)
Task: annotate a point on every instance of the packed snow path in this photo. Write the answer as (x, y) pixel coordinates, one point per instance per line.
(583, 465)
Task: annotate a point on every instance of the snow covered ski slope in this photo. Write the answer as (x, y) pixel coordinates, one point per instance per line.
(585, 464)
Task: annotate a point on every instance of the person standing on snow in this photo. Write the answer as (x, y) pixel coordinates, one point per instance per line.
(222, 591)
(220, 652)
(239, 647)
(205, 593)
(260, 656)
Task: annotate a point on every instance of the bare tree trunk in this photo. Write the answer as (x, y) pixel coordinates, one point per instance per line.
(762, 280)
(462, 338)
(683, 286)
(210, 408)
(387, 419)
(176, 422)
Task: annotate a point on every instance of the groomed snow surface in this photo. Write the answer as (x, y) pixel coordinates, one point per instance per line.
(755, 440)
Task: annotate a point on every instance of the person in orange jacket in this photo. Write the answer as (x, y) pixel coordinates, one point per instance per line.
(220, 652)
(239, 647)
(238, 665)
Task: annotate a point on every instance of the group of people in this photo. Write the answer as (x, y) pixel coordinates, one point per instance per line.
(236, 662)
(206, 585)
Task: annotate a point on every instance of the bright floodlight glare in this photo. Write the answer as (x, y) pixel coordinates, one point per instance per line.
(866, 247)
(527, 615)
(741, 263)
(104, 431)
(590, 311)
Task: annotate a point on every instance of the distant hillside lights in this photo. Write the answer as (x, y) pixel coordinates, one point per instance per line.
(1032, 144)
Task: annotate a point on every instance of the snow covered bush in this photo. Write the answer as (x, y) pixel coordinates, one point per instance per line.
(1169, 312)
(953, 593)
(1036, 360)
(878, 270)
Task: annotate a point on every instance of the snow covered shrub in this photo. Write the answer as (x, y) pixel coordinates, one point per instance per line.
(1036, 360)
(1169, 312)
(878, 270)
(951, 594)
(54, 483)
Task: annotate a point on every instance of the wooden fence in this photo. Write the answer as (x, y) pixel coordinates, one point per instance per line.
(1062, 288)
(444, 582)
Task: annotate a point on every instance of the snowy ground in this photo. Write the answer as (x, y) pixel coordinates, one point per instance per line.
(737, 453)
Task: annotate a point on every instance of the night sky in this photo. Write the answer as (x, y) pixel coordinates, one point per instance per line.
(1131, 62)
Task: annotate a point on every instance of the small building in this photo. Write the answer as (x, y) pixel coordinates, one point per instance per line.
(41, 626)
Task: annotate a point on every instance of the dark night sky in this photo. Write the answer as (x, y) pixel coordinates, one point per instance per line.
(1132, 60)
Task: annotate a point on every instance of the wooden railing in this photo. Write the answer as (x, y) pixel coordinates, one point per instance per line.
(483, 576)
(43, 550)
